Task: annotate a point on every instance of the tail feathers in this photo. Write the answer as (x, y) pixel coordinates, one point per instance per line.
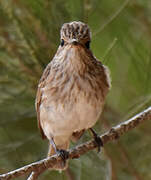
(51, 151)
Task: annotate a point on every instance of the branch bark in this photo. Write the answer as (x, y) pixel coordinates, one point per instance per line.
(114, 133)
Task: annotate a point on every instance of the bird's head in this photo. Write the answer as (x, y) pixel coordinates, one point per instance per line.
(75, 33)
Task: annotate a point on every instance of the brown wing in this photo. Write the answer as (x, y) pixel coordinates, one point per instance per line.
(105, 75)
(39, 95)
(102, 71)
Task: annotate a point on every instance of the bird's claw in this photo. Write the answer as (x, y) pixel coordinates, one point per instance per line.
(63, 154)
(97, 139)
(99, 142)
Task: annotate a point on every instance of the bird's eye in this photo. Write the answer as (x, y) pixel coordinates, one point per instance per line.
(87, 44)
(62, 42)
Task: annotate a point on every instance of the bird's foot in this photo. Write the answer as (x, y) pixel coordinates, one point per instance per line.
(97, 139)
(63, 153)
(60, 152)
(99, 142)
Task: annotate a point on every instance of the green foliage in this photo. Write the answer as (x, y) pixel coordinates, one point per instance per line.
(29, 37)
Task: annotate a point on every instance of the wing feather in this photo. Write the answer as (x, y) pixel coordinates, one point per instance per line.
(41, 84)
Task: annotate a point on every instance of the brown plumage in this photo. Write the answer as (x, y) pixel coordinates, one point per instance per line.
(72, 89)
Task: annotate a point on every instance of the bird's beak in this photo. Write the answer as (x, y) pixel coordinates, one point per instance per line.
(74, 41)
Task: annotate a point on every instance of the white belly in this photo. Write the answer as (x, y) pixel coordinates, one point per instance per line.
(61, 121)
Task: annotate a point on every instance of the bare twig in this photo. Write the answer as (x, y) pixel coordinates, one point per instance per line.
(38, 167)
(33, 176)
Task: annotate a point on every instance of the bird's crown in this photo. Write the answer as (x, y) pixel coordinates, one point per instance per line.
(75, 30)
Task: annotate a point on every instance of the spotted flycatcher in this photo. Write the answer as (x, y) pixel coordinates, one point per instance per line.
(71, 91)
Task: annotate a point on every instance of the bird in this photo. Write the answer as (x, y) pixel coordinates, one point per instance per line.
(71, 92)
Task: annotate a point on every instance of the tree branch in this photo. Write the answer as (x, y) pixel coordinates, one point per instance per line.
(34, 175)
(114, 133)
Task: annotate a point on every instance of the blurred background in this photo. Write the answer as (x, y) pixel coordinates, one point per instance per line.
(121, 39)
